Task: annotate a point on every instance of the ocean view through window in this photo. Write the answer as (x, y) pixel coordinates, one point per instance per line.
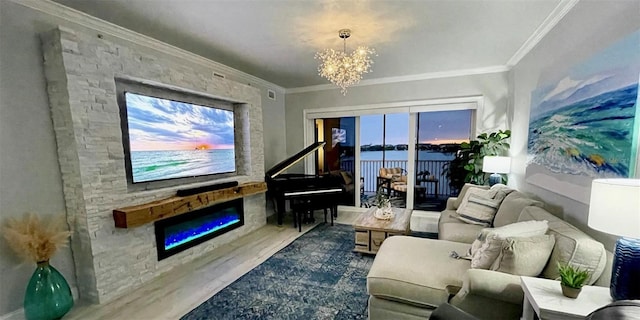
(420, 143)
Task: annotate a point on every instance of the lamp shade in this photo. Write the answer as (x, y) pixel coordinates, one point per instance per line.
(615, 207)
(493, 164)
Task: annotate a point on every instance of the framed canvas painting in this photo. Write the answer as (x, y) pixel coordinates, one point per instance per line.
(585, 125)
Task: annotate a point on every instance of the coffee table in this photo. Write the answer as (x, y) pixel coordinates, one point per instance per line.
(371, 231)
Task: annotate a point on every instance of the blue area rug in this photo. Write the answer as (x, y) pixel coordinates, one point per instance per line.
(315, 277)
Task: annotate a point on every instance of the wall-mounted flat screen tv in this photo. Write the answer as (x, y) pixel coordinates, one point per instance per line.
(169, 139)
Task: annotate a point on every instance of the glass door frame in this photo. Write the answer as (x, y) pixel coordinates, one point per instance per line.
(475, 103)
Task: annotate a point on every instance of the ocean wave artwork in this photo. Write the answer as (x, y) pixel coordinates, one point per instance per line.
(585, 124)
(591, 137)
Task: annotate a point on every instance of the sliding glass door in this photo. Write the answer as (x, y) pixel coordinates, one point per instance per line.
(407, 143)
(384, 142)
(438, 138)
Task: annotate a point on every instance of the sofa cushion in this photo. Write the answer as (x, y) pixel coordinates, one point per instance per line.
(390, 173)
(463, 192)
(415, 270)
(524, 256)
(453, 229)
(512, 206)
(490, 248)
(572, 246)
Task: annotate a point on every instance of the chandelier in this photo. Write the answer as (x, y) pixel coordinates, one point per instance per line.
(344, 69)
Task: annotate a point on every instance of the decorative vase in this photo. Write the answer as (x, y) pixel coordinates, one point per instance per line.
(48, 295)
(626, 270)
(570, 292)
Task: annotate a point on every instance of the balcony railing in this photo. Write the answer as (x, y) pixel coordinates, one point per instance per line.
(369, 171)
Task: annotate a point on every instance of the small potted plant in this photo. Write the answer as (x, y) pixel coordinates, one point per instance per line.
(571, 280)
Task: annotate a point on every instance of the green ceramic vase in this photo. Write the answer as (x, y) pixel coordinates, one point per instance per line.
(48, 295)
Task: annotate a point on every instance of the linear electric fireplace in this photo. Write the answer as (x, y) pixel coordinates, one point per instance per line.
(185, 231)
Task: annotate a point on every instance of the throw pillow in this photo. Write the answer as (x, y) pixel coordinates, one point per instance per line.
(524, 256)
(480, 206)
(477, 243)
(463, 192)
(479, 209)
(465, 198)
(522, 229)
(490, 248)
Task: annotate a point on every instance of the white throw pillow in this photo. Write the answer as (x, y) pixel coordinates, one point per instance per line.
(477, 243)
(490, 248)
(524, 256)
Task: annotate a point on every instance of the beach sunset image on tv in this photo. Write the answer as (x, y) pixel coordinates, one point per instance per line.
(170, 139)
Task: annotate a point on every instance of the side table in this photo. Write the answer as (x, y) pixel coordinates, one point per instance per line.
(543, 297)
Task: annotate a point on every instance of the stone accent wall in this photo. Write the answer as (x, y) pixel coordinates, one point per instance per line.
(81, 70)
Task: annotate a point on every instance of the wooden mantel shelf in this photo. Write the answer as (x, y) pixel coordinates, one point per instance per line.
(135, 216)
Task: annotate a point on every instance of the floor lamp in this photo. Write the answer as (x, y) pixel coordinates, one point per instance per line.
(496, 165)
(615, 208)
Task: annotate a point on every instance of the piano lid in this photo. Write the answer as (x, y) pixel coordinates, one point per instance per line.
(287, 163)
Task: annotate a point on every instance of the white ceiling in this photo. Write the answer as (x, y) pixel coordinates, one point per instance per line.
(277, 40)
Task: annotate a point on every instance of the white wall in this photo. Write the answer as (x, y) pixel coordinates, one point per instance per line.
(493, 86)
(587, 29)
(30, 177)
(29, 171)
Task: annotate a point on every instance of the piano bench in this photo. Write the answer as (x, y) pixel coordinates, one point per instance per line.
(303, 211)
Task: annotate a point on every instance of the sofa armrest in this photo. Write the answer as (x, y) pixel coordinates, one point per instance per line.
(482, 288)
(450, 205)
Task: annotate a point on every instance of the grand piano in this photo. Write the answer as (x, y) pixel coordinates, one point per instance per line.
(291, 186)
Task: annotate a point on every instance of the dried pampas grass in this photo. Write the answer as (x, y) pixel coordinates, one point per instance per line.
(34, 239)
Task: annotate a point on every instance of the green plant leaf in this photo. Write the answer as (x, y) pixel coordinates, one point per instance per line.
(571, 276)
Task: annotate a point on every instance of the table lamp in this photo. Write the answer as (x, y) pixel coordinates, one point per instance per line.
(615, 208)
(496, 165)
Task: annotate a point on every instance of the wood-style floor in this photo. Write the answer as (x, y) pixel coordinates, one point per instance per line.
(176, 293)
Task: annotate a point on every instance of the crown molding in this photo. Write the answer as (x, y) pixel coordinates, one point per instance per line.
(80, 18)
(543, 29)
(413, 77)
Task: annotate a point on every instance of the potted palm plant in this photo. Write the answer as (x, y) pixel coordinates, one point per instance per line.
(571, 280)
(467, 164)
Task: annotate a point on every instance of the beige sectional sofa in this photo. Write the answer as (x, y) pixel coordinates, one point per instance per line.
(411, 276)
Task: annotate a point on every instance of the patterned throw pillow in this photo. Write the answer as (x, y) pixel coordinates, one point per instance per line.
(480, 206)
(463, 193)
(479, 210)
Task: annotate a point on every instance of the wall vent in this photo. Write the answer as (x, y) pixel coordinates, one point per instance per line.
(271, 94)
